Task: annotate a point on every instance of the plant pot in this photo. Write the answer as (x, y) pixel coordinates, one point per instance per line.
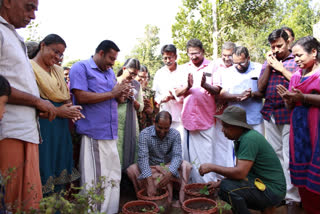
(199, 206)
(137, 207)
(161, 199)
(193, 191)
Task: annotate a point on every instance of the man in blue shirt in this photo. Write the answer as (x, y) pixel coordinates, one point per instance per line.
(159, 157)
(95, 88)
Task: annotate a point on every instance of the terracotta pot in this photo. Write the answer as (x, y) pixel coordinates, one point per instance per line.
(137, 207)
(199, 206)
(193, 191)
(160, 200)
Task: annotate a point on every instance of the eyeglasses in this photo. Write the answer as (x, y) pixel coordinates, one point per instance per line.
(242, 63)
(194, 54)
(57, 52)
(132, 73)
(227, 56)
(142, 77)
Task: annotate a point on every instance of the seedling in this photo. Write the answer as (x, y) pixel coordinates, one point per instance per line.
(204, 190)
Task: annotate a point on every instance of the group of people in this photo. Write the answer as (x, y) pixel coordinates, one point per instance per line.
(202, 122)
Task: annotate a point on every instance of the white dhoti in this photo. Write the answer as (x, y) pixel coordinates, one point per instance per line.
(178, 126)
(223, 149)
(100, 158)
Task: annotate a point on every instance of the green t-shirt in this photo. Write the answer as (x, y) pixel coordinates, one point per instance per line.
(254, 147)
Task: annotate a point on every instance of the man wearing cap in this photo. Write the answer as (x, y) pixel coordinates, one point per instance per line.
(257, 181)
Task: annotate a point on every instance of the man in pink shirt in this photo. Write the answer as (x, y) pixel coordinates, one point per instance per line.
(198, 110)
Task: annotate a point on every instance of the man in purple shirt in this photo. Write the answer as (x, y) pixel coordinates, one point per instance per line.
(95, 88)
(278, 69)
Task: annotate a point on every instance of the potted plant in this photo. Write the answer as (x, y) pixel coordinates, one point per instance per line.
(200, 206)
(198, 190)
(140, 206)
(161, 198)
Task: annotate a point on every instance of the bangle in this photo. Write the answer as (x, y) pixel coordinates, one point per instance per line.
(304, 98)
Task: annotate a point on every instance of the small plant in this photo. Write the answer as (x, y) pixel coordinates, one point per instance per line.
(204, 190)
(221, 208)
(161, 209)
(196, 163)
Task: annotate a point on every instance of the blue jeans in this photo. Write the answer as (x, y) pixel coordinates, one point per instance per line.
(243, 195)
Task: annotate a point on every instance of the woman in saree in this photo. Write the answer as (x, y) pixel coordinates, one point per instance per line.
(128, 127)
(303, 98)
(56, 159)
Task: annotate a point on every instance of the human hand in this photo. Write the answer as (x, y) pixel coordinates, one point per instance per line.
(165, 179)
(151, 187)
(190, 80)
(244, 95)
(46, 109)
(275, 63)
(122, 89)
(205, 168)
(203, 80)
(213, 185)
(70, 111)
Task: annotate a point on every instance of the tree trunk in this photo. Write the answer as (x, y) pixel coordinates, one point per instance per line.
(215, 30)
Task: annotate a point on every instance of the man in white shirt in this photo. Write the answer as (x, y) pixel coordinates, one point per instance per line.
(166, 80)
(19, 129)
(239, 87)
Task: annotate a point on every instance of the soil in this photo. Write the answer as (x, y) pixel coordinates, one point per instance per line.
(201, 205)
(141, 208)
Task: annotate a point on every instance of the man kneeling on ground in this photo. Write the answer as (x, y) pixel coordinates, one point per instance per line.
(160, 159)
(257, 181)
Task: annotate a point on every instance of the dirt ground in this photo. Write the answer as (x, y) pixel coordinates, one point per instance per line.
(127, 194)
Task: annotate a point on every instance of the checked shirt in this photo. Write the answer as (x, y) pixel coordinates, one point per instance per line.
(153, 151)
(274, 104)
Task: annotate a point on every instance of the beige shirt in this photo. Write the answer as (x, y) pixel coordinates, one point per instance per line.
(19, 122)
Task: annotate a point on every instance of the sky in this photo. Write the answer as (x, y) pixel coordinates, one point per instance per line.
(84, 24)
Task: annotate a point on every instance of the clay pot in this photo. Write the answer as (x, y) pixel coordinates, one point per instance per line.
(199, 206)
(160, 200)
(137, 207)
(193, 191)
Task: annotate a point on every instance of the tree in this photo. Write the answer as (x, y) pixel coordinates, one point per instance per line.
(146, 51)
(247, 23)
(194, 20)
(32, 31)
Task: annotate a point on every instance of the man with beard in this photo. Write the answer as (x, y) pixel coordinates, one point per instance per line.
(94, 87)
(239, 87)
(198, 110)
(278, 69)
(166, 80)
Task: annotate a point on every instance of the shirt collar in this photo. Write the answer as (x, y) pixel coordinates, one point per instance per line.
(94, 66)
(204, 64)
(154, 134)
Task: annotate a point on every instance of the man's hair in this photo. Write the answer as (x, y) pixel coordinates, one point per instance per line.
(194, 43)
(228, 46)
(308, 43)
(5, 89)
(48, 40)
(163, 115)
(106, 45)
(66, 68)
(169, 48)
(276, 34)
(241, 50)
(288, 29)
(1, 3)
